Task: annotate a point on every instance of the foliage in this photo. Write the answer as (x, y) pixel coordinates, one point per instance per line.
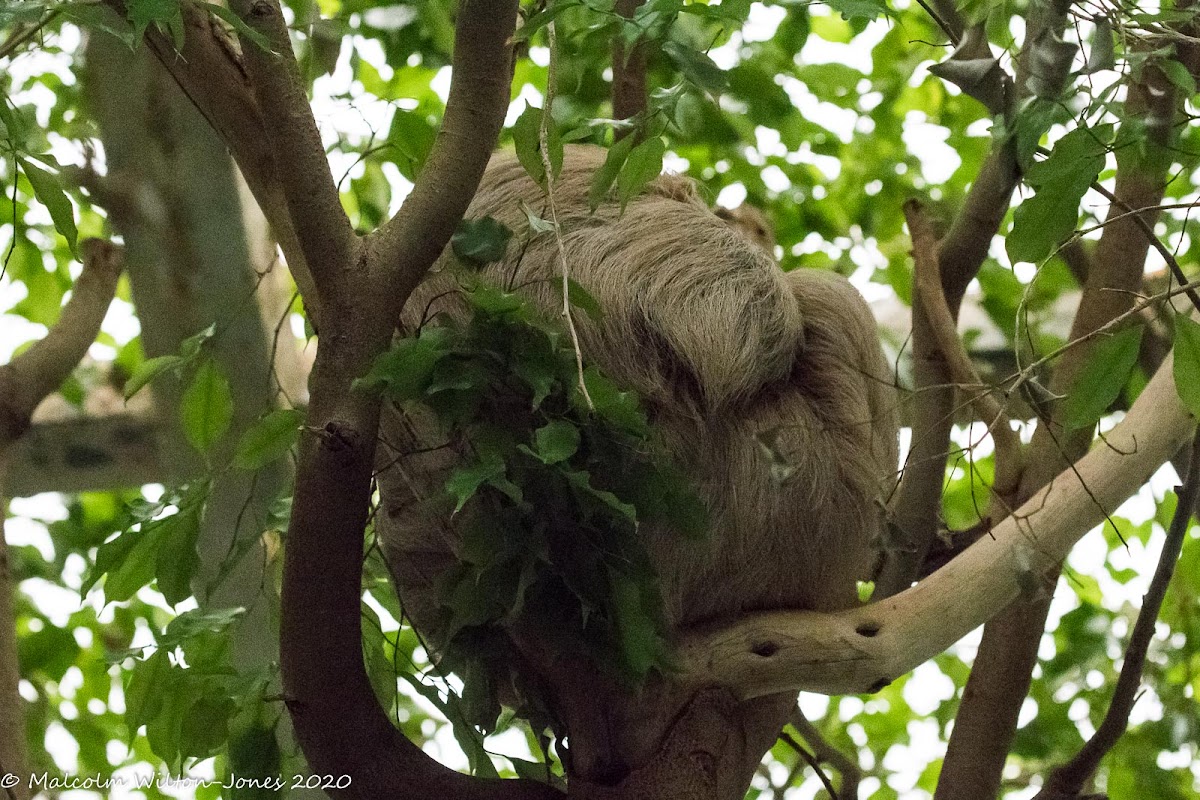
(562, 471)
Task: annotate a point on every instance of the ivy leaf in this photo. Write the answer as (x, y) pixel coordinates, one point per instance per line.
(1187, 362)
(479, 242)
(464, 482)
(620, 408)
(557, 441)
(1102, 378)
(405, 370)
(268, 439)
(148, 370)
(644, 165)
(49, 192)
(642, 648)
(206, 407)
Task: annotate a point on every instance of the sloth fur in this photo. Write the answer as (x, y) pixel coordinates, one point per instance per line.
(742, 368)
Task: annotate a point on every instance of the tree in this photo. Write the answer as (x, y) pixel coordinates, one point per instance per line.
(1086, 176)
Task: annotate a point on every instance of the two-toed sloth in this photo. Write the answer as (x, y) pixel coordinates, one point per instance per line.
(741, 367)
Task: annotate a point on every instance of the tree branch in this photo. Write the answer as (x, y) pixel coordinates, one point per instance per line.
(411, 241)
(629, 70)
(301, 167)
(24, 383)
(209, 71)
(1066, 782)
(862, 649)
(41, 369)
(339, 723)
(824, 751)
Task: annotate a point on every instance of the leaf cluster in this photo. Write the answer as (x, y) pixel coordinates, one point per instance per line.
(552, 489)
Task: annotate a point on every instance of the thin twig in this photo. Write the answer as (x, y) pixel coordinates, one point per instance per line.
(20, 37)
(548, 168)
(846, 766)
(1152, 238)
(811, 760)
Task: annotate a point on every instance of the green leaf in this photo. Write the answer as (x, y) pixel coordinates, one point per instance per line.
(479, 242)
(178, 559)
(206, 407)
(859, 9)
(254, 754)
(582, 298)
(406, 369)
(620, 408)
(1187, 362)
(143, 13)
(465, 481)
(145, 689)
(1102, 378)
(556, 441)
(268, 439)
(129, 561)
(148, 370)
(644, 165)
(527, 142)
(697, 67)
(604, 178)
(49, 192)
(1048, 218)
(642, 648)
(190, 347)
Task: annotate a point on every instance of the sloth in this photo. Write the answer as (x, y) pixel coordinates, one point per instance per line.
(752, 223)
(742, 369)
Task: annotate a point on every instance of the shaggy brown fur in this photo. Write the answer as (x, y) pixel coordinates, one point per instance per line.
(741, 366)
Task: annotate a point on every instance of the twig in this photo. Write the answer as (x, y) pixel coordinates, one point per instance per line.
(1067, 781)
(847, 767)
(942, 328)
(20, 37)
(544, 148)
(1152, 239)
(629, 71)
(811, 760)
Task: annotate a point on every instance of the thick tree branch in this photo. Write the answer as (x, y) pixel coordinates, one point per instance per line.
(41, 369)
(960, 256)
(862, 649)
(1067, 782)
(209, 71)
(338, 721)
(629, 70)
(301, 167)
(409, 242)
